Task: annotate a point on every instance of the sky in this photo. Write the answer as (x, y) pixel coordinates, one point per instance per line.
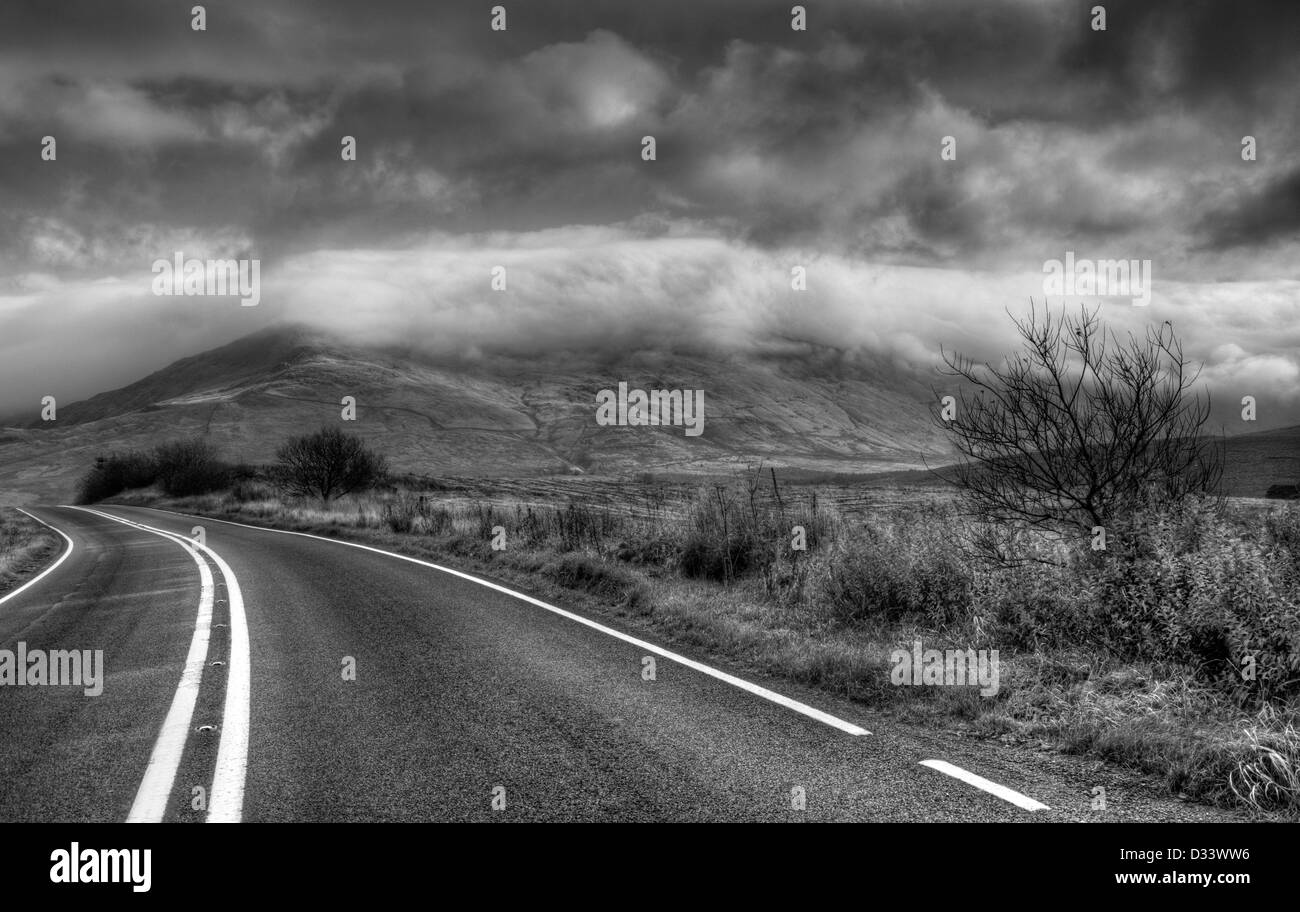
(775, 148)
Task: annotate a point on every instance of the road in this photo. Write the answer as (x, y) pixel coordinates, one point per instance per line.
(467, 703)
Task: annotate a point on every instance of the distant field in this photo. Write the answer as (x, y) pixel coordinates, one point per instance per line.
(852, 497)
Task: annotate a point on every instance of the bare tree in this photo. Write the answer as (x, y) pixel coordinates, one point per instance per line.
(1079, 428)
(328, 463)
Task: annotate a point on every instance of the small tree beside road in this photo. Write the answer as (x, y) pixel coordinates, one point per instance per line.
(327, 464)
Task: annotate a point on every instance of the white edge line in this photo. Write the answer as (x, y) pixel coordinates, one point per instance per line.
(160, 775)
(227, 798)
(1001, 791)
(48, 570)
(770, 695)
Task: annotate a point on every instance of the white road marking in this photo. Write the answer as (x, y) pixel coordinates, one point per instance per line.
(227, 797)
(770, 695)
(1001, 791)
(48, 570)
(160, 775)
(227, 804)
(151, 798)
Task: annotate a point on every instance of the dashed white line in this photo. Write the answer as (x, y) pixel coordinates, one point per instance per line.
(763, 692)
(993, 788)
(48, 570)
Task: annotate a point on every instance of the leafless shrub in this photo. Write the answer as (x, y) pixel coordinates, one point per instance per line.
(326, 464)
(1079, 427)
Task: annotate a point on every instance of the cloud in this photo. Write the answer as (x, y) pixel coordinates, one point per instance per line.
(1270, 213)
(826, 138)
(100, 112)
(619, 289)
(522, 149)
(600, 83)
(272, 124)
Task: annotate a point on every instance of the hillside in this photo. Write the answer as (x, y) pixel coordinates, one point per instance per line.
(823, 413)
(504, 417)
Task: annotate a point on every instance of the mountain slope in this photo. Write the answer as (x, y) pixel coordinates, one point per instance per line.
(243, 361)
(822, 410)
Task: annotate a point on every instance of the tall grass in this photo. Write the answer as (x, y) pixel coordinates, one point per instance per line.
(751, 527)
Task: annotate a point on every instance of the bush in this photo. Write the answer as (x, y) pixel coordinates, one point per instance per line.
(1025, 606)
(188, 467)
(180, 467)
(656, 551)
(706, 554)
(116, 473)
(901, 570)
(864, 582)
(326, 464)
(246, 490)
(1282, 528)
(731, 532)
(408, 513)
(401, 515)
(1188, 586)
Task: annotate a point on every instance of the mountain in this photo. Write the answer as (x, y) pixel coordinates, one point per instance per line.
(820, 410)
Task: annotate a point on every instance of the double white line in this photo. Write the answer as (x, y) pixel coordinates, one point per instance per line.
(226, 802)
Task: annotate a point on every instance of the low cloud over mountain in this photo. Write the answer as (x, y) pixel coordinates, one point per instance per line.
(521, 149)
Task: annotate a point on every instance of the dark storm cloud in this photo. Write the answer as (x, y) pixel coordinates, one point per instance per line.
(1238, 56)
(1271, 213)
(774, 147)
(828, 136)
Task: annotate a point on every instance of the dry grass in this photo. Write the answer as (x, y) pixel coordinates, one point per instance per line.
(26, 548)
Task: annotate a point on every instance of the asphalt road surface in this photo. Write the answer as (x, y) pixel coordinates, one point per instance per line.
(264, 676)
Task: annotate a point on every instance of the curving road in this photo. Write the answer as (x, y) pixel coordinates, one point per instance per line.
(468, 703)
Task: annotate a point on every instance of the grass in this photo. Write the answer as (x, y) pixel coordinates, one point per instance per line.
(1134, 659)
(26, 548)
